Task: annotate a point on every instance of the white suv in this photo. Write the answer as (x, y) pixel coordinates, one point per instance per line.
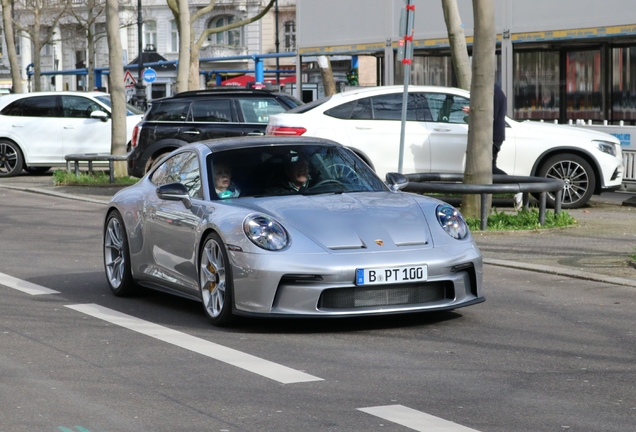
(369, 120)
(38, 129)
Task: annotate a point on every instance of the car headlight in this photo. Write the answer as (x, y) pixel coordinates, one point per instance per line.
(452, 221)
(606, 147)
(265, 232)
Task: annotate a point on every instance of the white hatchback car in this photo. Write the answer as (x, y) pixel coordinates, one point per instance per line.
(38, 129)
(368, 120)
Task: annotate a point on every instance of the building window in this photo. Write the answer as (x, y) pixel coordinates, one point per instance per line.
(174, 37)
(536, 85)
(231, 37)
(46, 50)
(290, 35)
(150, 35)
(624, 84)
(17, 45)
(1, 43)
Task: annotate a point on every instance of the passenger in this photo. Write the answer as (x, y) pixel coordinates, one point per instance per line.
(223, 181)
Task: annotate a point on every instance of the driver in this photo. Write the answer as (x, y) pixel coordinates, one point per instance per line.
(296, 176)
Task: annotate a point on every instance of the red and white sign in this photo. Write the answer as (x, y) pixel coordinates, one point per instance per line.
(129, 80)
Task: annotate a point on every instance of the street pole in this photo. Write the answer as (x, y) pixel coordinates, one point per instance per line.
(140, 94)
(405, 54)
(277, 43)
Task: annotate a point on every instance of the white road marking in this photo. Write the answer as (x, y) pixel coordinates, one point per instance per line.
(230, 356)
(24, 286)
(414, 419)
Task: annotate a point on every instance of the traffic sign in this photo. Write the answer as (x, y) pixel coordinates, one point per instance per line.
(129, 80)
(149, 75)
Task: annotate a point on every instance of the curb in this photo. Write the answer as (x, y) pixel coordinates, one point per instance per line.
(57, 194)
(561, 271)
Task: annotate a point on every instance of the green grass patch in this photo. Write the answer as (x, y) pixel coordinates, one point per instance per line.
(97, 178)
(523, 220)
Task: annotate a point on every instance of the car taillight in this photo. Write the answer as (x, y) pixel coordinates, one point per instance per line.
(135, 136)
(285, 130)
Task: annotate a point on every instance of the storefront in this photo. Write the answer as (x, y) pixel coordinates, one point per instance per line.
(566, 60)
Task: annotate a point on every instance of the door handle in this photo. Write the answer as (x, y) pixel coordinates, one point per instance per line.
(69, 127)
(255, 133)
(192, 132)
(441, 129)
(363, 128)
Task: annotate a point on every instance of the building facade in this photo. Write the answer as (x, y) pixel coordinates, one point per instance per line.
(159, 34)
(566, 60)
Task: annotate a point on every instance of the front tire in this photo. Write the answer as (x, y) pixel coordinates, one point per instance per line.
(215, 280)
(576, 173)
(117, 257)
(11, 159)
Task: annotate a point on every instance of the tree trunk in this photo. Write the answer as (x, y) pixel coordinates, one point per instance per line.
(185, 42)
(327, 75)
(16, 78)
(479, 149)
(193, 74)
(35, 55)
(116, 85)
(457, 40)
(90, 61)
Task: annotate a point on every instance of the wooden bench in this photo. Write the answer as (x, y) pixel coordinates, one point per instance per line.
(93, 157)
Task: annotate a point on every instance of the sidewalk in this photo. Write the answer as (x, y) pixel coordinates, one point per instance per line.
(597, 249)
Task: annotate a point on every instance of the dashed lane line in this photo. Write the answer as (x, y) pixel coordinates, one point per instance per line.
(24, 286)
(230, 356)
(414, 419)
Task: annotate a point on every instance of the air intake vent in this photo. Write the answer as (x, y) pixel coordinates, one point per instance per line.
(389, 295)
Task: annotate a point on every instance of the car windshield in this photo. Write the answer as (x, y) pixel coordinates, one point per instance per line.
(130, 110)
(304, 169)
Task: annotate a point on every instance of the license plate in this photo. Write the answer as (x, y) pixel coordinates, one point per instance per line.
(393, 275)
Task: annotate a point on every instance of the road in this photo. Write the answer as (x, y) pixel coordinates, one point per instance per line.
(543, 353)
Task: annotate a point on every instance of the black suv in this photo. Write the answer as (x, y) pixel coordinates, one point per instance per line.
(199, 115)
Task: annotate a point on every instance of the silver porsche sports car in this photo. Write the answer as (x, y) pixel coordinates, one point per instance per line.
(287, 227)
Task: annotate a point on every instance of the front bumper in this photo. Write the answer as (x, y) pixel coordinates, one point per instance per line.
(323, 284)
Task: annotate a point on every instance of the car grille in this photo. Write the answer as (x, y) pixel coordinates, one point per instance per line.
(386, 295)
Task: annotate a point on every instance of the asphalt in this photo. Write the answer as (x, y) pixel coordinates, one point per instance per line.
(598, 248)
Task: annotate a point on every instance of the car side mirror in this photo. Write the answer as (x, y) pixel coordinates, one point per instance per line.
(101, 115)
(175, 192)
(396, 181)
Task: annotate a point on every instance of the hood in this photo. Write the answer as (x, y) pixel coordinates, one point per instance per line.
(571, 132)
(352, 221)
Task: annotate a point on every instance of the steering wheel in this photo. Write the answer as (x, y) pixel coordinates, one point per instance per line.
(329, 181)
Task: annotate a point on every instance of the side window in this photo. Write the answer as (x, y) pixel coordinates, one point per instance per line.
(342, 111)
(447, 108)
(212, 111)
(13, 109)
(176, 111)
(42, 106)
(79, 107)
(362, 110)
(181, 168)
(258, 110)
(389, 107)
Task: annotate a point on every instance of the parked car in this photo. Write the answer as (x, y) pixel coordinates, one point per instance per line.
(340, 244)
(436, 132)
(199, 115)
(38, 129)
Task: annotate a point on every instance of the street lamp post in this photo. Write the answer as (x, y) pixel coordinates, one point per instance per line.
(140, 94)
